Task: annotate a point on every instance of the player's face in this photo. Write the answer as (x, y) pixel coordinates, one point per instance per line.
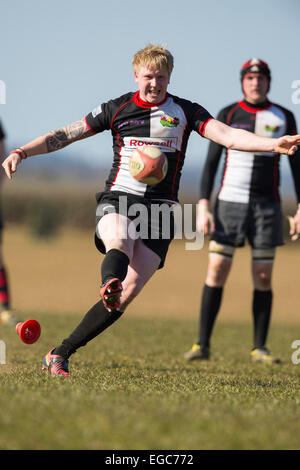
(255, 87)
(152, 83)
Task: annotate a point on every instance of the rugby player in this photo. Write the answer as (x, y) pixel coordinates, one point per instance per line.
(247, 207)
(135, 119)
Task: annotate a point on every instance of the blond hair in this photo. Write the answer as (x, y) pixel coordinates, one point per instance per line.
(153, 57)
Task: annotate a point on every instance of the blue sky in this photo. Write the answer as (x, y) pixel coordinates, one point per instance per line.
(61, 58)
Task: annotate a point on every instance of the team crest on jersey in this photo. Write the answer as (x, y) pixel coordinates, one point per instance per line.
(272, 128)
(168, 121)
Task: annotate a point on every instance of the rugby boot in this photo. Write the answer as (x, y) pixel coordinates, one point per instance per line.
(111, 292)
(197, 352)
(264, 356)
(56, 365)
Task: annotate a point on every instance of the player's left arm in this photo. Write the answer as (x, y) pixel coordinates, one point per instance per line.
(239, 139)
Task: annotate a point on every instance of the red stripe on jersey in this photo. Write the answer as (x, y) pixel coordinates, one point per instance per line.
(253, 110)
(112, 121)
(119, 165)
(203, 126)
(229, 115)
(89, 127)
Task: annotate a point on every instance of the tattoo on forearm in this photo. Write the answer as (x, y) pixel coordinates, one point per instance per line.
(66, 135)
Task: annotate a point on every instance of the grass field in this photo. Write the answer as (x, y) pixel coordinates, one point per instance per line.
(131, 388)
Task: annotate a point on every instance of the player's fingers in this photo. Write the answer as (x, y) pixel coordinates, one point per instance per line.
(7, 170)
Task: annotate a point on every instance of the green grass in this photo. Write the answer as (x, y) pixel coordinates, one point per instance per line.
(131, 389)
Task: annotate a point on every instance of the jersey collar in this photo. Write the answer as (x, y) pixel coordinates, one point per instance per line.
(254, 108)
(144, 104)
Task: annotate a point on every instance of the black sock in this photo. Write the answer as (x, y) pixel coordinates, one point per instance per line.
(261, 308)
(210, 305)
(94, 322)
(115, 264)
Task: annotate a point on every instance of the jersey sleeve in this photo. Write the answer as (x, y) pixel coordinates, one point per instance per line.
(99, 119)
(211, 164)
(198, 118)
(2, 133)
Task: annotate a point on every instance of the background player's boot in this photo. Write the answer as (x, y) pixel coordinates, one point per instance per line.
(197, 352)
(7, 317)
(110, 293)
(264, 356)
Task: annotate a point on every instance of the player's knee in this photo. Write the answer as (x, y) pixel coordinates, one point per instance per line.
(262, 268)
(220, 260)
(262, 278)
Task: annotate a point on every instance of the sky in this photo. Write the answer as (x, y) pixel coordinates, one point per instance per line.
(60, 59)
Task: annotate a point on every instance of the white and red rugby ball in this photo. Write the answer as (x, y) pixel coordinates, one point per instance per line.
(149, 165)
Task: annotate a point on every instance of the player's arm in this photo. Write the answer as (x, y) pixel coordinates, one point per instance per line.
(50, 142)
(239, 139)
(2, 156)
(204, 220)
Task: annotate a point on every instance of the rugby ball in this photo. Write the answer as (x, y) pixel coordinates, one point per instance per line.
(149, 165)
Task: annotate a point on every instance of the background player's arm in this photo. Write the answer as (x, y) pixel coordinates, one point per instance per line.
(2, 156)
(239, 139)
(50, 142)
(204, 220)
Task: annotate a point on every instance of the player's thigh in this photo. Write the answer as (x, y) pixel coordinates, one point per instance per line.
(115, 231)
(143, 265)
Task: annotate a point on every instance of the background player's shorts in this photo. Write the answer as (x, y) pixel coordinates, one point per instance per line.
(260, 223)
(160, 229)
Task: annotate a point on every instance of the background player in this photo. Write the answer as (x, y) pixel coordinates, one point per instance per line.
(247, 206)
(7, 317)
(134, 119)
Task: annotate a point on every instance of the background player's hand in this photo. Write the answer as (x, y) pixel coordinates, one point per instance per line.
(287, 144)
(204, 220)
(10, 164)
(294, 225)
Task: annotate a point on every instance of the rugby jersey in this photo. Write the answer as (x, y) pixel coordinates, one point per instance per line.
(135, 123)
(250, 176)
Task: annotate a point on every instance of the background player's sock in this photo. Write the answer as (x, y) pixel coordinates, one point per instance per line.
(94, 322)
(115, 264)
(210, 305)
(261, 308)
(4, 291)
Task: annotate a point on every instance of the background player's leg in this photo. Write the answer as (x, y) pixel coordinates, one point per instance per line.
(262, 300)
(217, 274)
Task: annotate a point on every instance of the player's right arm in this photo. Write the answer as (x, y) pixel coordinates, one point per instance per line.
(50, 142)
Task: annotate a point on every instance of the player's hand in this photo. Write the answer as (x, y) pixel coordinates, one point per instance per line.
(10, 164)
(294, 225)
(287, 144)
(204, 220)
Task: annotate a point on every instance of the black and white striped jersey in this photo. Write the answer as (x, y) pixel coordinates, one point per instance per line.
(134, 123)
(251, 177)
